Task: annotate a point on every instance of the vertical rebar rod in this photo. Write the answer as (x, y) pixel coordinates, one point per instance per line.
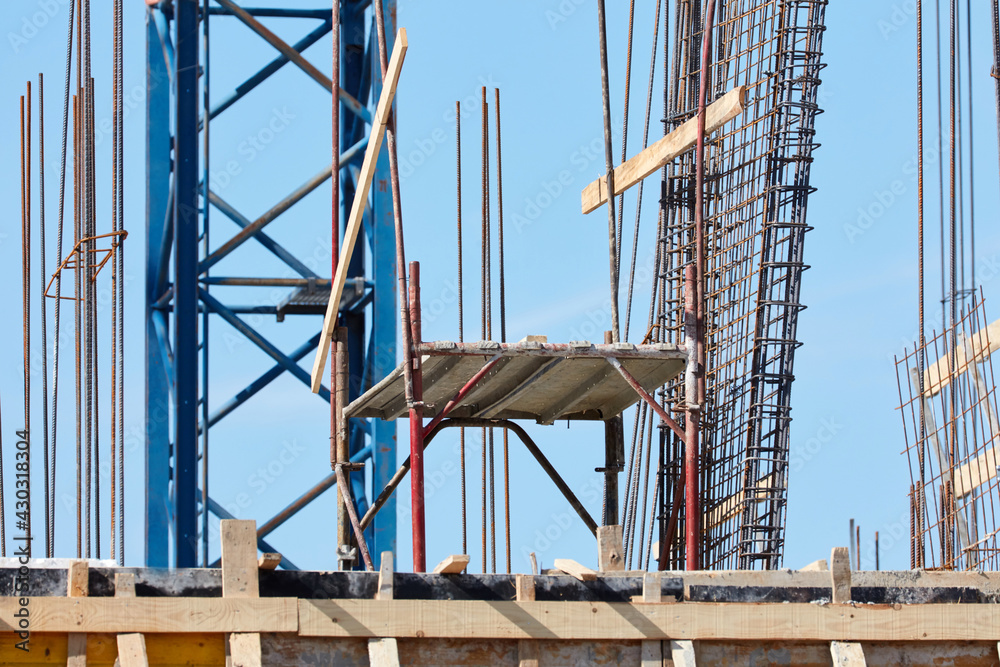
(57, 306)
(483, 294)
(335, 243)
(922, 354)
(49, 489)
(120, 257)
(206, 245)
(609, 165)
(26, 269)
(461, 313)
(78, 310)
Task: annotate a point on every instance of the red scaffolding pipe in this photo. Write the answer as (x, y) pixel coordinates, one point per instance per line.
(417, 431)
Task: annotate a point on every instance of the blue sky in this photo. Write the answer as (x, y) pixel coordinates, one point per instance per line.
(860, 290)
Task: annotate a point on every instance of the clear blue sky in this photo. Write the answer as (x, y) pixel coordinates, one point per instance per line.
(860, 291)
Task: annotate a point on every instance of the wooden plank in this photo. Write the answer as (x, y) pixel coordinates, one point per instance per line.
(383, 652)
(652, 588)
(524, 587)
(624, 621)
(732, 506)
(364, 183)
(241, 580)
(840, 575)
(239, 559)
(243, 650)
(651, 653)
(609, 549)
(201, 649)
(77, 586)
(268, 560)
(52, 614)
(665, 150)
(574, 569)
(453, 564)
(847, 654)
(131, 645)
(682, 653)
(978, 346)
(385, 578)
(974, 474)
(815, 566)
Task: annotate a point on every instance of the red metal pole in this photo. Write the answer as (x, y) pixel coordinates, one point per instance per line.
(417, 430)
(694, 382)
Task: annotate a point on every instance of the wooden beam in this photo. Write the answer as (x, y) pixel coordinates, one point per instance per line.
(840, 575)
(652, 588)
(385, 577)
(268, 560)
(383, 652)
(682, 653)
(241, 580)
(651, 653)
(623, 621)
(815, 566)
(847, 654)
(453, 564)
(665, 150)
(160, 614)
(131, 645)
(732, 506)
(574, 569)
(527, 649)
(974, 474)
(77, 586)
(609, 549)
(978, 346)
(354, 220)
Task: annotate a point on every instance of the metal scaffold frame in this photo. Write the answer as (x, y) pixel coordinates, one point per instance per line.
(178, 287)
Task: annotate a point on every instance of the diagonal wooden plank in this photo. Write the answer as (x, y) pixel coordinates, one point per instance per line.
(676, 143)
(365, 176)
(131, 645)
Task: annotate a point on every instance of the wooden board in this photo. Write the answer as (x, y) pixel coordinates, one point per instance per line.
(154, 615)
(641, 165)
(840, 575)
(453, 564)
(240, 580)
(574, 569)
(268, 560)
(184, 650)
(383, 653)
(847, 654)
(77, 586)
(981, 344)
(623, 621)
(609, 549)
(131, 645)
(974, 474)
(364, 183)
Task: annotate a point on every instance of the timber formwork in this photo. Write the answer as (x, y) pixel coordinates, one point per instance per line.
(248, 614)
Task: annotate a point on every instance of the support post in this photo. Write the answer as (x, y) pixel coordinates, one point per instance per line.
(77, 587)
(692, 419)
(240, 580)
(345, 554)
(527, 649)
(417, 428)
(614, 458)
(131, 645)
(185, 301)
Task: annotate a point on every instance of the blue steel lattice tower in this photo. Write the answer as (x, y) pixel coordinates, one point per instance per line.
(180, 302)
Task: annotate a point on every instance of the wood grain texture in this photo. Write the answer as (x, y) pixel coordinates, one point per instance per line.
(383, 652)
(243, 650)
(239, 559)
(77, 586)
(665, 150)
(847, 654)
(623, 621)
(574, 569)
(453, 564)
(385, 577)
(354, 219)
(131, 645)
(840, 575)
(609, 549)
(155, 615)
(268, 561)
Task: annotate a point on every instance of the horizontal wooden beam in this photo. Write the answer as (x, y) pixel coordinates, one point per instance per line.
(675, 144)
(149, 615)
(623, 621)
(354, 220)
